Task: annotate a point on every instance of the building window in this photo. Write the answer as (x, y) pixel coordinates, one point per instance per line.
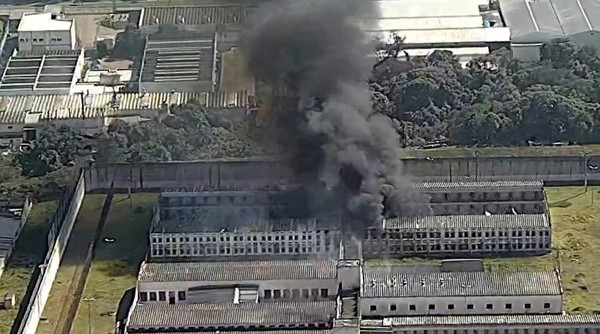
(305, 293)
(41, 39)
(162, 296)
(324, 293)
(314, 292)
(508, 306)
(393, 307)
(143, 296)
(181, 295)
(489, 306)
(546, 305)
(268, 294)
(276, 294)
(451, 306)
(152, 296)
(470, 306)
(35, 39)
(527, 306)
(373, 308)
(412, 307)
(287, 294)
(431, 306)
(296, 293)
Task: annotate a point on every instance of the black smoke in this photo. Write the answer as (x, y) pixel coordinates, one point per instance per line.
(313, 50)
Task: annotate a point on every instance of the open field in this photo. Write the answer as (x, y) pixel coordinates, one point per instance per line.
(576, 233)
(71, 265)
(27, 253)
(457, 152)
(116, 264)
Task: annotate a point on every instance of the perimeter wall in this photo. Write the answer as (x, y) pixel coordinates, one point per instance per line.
(261, 174)
(255, 173)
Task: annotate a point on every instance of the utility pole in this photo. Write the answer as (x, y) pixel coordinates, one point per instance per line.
(89, 301)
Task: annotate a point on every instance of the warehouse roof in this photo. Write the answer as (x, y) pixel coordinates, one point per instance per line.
(469, 221)
(182, 57)
(34, 71)
(543, 20)
(232, 316)
(493, 320)
(237, 271)
(195, 15)
(16, 109)
(480, 186)
(449, 284)
(281, 331)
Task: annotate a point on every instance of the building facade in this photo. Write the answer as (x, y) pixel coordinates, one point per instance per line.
(40, 32)
(459, 293)
(463, 236)
(477, 198)
(236, 224)
(235, 282)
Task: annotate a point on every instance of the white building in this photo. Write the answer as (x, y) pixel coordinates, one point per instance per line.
(534, 22)
(46, 32)
(468, 235)
(386, 294)
(237, 282)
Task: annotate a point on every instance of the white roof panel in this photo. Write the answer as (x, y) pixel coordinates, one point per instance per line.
(427, 8)
(448, 36)
(422, 23)
(43, 22)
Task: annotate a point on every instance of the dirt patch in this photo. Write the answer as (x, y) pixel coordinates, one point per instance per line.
(88, 29)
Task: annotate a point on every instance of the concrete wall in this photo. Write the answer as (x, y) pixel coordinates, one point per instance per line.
(211, 174)
(549, 168)
(257, 173)
(63, 222)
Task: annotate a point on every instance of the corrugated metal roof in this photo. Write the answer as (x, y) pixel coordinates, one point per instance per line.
(423, 23)
(214, 221)
(491, 320)
(196, 15)
(479, 186)
(543, 20)
(282, 331)
(378, 284)
(231, 316)
(236, 271)
(13, 109)
(463, 222)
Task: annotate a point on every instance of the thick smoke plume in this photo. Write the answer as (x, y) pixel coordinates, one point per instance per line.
(316, 51)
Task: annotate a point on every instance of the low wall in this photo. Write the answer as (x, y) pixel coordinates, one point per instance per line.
(257, 173)
(45, 273)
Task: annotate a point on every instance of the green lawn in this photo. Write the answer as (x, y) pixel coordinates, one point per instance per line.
(455, 152)
(576, 243)
(116, 265)
(28, 252)
(69, 272)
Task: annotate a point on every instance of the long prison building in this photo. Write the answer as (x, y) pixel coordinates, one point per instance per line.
(477, 198)
(462, 236)
(240, 225)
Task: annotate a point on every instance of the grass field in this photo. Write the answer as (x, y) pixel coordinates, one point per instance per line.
(116, 264)
(26, 254)
(576, 243)
(455, 152)
(69, 272)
